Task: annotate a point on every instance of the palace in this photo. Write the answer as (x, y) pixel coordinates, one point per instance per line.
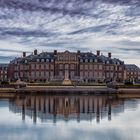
(77, 66)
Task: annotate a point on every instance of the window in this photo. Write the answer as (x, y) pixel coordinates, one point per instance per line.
(32, 74)
(16, 67)
(120, 75)
(86, 60)
(100, 74)
(51, 67)
(42, 66)
(81, 67)
(86, 73)
(95, 74)
(21, 74)
(81, 60)
(47, 66)
(72, 74)
(66, 66)
(16, 75)
(37, 66)
(51, 74)
(42, 74)
(37, 74)
(118, 63)
(90, 74)
(21, 67)
(95, 67)
(42, 60)
(107, 75)
(27, 74)
(120, 68)
(86, 67)
(107, 67)
(95, 60)
(100, 67)
(90, 67)
(112, 68)
(32, 66)
(111, 75)
(47, 74)
(72, 66)
(81, 74)
(91, 60)
(60, 66)
(25, 61)
(47, 60)
(60, 73)
(37, 60)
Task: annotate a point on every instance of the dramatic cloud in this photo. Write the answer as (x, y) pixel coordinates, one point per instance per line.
(108, 25)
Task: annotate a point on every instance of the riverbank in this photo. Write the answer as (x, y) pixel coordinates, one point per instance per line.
(59, 89)
(71, 89)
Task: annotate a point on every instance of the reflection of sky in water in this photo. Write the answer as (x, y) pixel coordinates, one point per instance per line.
(123, 126)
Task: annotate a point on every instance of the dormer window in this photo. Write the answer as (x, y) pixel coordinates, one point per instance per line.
(37, 60)
(25, 61)
(52, 60)
(107, 62)
(42, 60)
(86, 60)
(118, 63)
(95, 60)
(81, 60)
(47, 60)
(91, 60)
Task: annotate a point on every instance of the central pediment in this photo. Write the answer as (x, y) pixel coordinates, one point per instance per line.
(66, 52)
(67, 56)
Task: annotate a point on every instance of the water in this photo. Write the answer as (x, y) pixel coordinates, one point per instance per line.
(69, 118)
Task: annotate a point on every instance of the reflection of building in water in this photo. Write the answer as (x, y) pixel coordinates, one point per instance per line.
(67, 107)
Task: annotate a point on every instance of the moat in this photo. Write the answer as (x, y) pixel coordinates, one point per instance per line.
(71, 117)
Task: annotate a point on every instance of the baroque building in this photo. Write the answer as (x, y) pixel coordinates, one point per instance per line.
(78, 66)
(3, 72)
(132, 72)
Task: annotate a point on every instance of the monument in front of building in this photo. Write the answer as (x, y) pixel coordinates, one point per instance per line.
(66, 80)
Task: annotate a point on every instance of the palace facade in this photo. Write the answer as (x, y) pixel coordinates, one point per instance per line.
(132, 72)
(54, 66)
(3, 72)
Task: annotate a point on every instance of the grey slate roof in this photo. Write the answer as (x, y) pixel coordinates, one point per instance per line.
(132, 67)
(3, 65)
(85, 56)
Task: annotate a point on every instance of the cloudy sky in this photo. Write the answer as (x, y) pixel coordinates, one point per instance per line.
(88, 25)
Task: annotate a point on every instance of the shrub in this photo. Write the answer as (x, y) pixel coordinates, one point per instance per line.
(4, 83)
(128, 82)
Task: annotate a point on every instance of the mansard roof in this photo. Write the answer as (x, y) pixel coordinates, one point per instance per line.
(43, 55)
(3, 65)
(48, 56)
(17, 59)
(132, 67)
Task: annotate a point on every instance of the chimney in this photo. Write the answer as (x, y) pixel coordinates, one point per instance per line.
(78, 52)
(55, 52)
(35, 52)
(24, 54)
(109, 54)
(98, 53)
